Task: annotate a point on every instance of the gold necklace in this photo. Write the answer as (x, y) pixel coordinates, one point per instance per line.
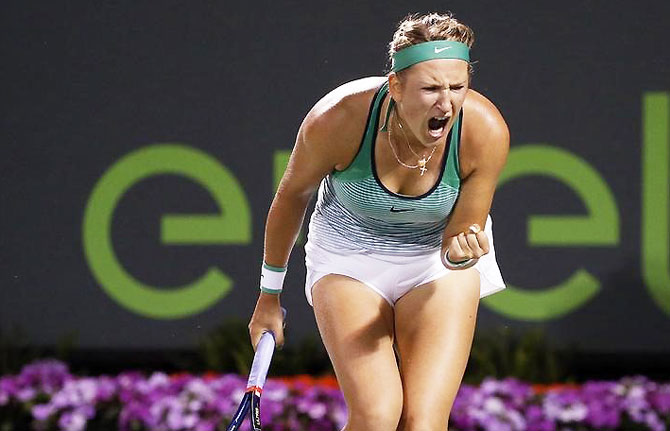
(421, 164)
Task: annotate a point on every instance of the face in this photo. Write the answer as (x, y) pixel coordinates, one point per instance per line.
(429, 96)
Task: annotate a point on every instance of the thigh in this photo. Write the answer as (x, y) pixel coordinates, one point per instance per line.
(434, 328)
(356, 325)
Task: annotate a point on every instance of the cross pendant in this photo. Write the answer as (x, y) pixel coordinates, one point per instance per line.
(422, 166)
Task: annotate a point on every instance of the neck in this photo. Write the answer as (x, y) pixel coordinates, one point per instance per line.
(411, 144)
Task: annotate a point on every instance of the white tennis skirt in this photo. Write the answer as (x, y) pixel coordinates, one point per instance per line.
(394, 276)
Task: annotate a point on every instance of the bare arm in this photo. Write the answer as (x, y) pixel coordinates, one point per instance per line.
(306, 167)
(484, 148)
(328, 139)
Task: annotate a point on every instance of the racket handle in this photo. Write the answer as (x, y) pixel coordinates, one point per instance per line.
(262, 358)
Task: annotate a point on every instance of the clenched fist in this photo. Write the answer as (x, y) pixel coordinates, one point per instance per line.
(464, 249)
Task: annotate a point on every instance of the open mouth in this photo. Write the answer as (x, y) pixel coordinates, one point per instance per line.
(436, 126)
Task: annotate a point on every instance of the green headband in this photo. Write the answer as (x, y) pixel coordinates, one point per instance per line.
(430, 51)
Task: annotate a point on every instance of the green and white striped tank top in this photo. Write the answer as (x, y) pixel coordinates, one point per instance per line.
(354, 212)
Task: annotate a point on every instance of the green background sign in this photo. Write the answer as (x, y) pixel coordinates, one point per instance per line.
(141, 148)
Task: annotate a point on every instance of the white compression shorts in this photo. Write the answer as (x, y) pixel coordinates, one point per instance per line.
(394, 276)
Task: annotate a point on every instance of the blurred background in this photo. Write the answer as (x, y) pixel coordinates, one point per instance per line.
(142, 142)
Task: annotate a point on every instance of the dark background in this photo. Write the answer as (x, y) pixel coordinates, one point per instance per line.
(84, 83)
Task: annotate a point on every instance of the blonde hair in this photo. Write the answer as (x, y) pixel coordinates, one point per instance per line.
(415, 29)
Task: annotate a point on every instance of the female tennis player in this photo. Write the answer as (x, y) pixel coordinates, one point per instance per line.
(400, 245)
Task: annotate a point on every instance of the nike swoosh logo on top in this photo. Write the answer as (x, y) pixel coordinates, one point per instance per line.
(439, 50)
(401, 210)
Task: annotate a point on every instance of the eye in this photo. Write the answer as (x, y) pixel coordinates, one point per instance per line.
(457, 88)
(431, 88)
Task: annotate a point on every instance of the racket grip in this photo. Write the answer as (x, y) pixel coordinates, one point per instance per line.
(262, 358)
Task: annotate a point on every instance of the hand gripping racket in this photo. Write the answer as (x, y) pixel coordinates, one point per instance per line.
(257, 375)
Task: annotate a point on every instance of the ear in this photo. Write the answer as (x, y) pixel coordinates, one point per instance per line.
(395, 86)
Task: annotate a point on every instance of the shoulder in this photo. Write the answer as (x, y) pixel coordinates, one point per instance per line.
(485, 135)
(483, 122)
(350, 98)
(339, 117)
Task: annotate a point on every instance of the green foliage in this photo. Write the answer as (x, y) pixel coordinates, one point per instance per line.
(496, 353)
(227, 348)
(15, 416)
(307, 357)
(16, 350)
(503, 353)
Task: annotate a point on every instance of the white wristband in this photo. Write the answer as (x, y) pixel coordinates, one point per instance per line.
(457, 265)
(272, 279)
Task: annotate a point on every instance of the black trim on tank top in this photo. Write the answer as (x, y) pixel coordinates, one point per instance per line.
(458, 150)
(374, 164)
(365, 131)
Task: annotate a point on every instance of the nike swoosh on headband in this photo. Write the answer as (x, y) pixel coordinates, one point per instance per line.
(436, 49)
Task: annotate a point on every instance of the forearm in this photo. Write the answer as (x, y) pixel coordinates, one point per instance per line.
(282, 227)
(281, 230)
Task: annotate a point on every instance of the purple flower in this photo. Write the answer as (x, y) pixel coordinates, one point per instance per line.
(564, 407)
(537, 421)
(46, 377)
(7, 390)
(659, 399)
(72, 421)
(183, 402)
(41, 412)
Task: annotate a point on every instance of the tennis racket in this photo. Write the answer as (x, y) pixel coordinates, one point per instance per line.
(251, 402)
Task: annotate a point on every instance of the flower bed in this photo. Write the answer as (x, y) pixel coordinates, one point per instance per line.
(45, 396)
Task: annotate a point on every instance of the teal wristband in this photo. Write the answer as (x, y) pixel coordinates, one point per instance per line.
(272, 279)
(270, 291)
